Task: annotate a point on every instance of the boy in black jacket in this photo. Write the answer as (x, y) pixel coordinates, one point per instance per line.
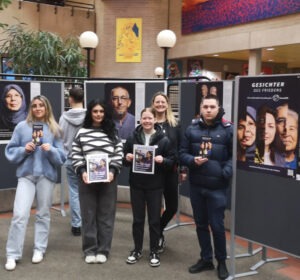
(145, 188)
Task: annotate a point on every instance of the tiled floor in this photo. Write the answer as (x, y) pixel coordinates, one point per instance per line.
(288, 269)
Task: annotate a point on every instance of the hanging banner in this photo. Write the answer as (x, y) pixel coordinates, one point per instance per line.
(202, 15)
(268, 121)
(129, 40)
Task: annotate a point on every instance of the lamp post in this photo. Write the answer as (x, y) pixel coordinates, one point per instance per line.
(88, 40)
(166, 39)
(158, 71)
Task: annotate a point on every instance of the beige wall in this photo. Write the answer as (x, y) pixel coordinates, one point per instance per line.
(154, 19)
(153, 14)
(62, 22)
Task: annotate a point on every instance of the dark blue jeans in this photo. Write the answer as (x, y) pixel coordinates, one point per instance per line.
(208, 210)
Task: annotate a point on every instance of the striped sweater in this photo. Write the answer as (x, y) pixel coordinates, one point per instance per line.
(93, 141)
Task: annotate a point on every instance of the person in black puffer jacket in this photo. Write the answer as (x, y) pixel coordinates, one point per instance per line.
(206, 149)
(146, 188)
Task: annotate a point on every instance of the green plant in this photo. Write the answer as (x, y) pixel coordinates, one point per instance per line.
(44, 53)
(4, 4)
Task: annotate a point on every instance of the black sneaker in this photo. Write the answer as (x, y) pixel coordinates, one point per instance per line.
(222, 270)
(134, 257)
(154, 260)
(201, 265)
(76, 231)
(161, 244)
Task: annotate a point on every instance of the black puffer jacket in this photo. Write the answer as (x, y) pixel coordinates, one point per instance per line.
(216, 172)
(163, 148)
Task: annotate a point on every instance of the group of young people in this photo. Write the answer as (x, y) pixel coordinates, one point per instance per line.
(95, 132)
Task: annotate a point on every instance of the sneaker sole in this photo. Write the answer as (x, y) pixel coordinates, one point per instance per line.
(90, 261)
(134, 261)
(10, 268)
(154, 264)
(37, 261)
(131, 262)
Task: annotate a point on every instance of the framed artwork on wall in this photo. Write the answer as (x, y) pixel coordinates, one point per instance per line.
(129, 40)
(174, 69)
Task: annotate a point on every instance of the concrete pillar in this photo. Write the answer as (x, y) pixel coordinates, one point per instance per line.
(254, 62)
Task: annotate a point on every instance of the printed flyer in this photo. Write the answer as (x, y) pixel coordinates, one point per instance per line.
(143, 159)
(97, 168)
(37, 134)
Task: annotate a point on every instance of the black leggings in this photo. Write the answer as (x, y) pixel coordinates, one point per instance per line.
(171, 199)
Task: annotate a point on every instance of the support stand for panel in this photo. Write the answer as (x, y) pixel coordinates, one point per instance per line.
(234, 275)
(250, 251)
(178, 223)
(232, 250)
(239, 275)
(62, 193)
(265, 259)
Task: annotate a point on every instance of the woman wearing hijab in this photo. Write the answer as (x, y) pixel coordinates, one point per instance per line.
(12, 106)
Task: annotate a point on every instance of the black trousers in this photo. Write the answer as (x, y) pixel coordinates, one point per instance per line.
(171, 199)
(141, 200)
(98, 209)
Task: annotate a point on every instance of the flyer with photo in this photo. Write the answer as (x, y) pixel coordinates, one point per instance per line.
(205, 147)
(37, 134)
(143, 159)
(267, 124)
(97, 168)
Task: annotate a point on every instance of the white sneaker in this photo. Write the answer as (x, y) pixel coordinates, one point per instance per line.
(37, 256)
(10, 264)
(100, 258)
(90, 259)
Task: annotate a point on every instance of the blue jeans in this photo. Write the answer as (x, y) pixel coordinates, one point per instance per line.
(73, 182)
(28, 188)
(208, 210)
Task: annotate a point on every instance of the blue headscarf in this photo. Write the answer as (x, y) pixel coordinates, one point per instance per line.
(11, 118)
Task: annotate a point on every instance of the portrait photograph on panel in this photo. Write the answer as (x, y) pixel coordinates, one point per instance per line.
(205, 88)
(14, 102)
(120, 97)
(267, 128)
